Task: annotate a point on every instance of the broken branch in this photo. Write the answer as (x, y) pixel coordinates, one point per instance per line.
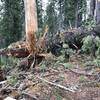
(56, 85)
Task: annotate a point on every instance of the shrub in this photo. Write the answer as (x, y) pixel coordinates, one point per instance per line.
(7, 62)
(91, 44)
(89, 23)
(12, 80)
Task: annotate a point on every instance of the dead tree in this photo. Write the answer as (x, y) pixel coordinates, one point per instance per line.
(30, 24)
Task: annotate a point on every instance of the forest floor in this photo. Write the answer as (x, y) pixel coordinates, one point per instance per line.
(74, 81)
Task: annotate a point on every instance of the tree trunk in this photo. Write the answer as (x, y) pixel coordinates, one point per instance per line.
(97, 12)
(92, 8)
(76, 15)
(30, 24)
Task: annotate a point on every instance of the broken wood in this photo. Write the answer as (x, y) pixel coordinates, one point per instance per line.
(32, 97)
(30, 62)
(56, 85)
(2, 75)
(17, 49)
(3, 82)
(80, 72)
(15, 52)
(9, 98)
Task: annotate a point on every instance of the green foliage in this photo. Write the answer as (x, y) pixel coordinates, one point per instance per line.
(61, 14)
(89, 23)
(63, 59)
(51, 17)
(3, 60)
(96, 62)
(90, 43)
(43, 66)
(12, 80)
(7, 62)
(67, 65)
(93, 63)
(67, 10)
(98, 53)
(39, 14)
(87, 44)
(57, 94)
(89, 63)
(97, 41)
(66, 51)
(82, 78)
(60, 59)
(58, 97)
(12, 20)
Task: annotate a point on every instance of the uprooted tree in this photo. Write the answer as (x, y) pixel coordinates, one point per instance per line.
(31, 46)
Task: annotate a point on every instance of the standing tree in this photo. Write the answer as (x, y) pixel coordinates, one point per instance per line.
(11, 20)
(30, 24)
(92, 7)
(97, 9)
(51, 17)
(39, 13)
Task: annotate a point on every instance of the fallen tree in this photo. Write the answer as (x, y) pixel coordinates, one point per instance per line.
(73, 38)
(31, 46)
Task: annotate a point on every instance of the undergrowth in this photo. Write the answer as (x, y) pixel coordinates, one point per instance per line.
(7, 62)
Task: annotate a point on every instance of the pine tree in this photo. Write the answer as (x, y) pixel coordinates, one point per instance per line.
(12, 20)
(80, 6)
(71, 12)
(39, 13)
(51, 17)
(67, 10)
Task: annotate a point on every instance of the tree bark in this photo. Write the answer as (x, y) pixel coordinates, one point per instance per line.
(76, 15)
(97, 12)
(92, 8)
(31, 26)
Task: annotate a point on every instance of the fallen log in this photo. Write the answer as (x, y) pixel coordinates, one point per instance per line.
(19, 53)
(15, 52)
(17, 49)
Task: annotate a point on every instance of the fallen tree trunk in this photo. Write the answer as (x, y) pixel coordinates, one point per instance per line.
(17, 50)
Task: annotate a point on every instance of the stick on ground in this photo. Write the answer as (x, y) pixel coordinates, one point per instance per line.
(56, 85)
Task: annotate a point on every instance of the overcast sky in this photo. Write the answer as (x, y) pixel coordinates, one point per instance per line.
(44, 3)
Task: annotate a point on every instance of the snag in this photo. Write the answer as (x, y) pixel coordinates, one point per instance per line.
(31, 26)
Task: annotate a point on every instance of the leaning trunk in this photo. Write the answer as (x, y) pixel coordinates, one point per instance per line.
(30, 24)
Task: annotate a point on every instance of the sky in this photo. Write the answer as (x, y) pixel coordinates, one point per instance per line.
(44, 3)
